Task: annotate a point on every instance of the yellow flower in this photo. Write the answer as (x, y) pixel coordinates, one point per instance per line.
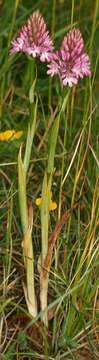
(18, 134)
(6, 135)
(53, 204)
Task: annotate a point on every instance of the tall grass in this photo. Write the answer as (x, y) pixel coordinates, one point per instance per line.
(73, 304)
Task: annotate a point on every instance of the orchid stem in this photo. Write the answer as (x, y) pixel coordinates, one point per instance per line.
(26, 212)
(47, 182)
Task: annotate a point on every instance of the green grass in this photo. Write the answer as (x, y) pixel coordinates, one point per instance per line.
(73, 332)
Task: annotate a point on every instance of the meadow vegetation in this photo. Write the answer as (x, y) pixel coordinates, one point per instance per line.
(72, 330)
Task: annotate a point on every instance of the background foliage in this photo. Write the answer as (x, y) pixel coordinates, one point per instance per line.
(74, 330)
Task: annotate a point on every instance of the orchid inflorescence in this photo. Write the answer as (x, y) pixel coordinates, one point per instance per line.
(69, 62)
(34, 39)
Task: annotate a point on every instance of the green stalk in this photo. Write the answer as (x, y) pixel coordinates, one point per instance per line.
(44, 229)
(27, 240)
(72, 108)
(60, 191)
(23, 166)
(30, 136)
(25, 213)
(72, 13)
(94, 26)
(44, 276)
(29, 265)
(62, 171)
(53, 141)
(45, 216)
(33, 115)
(22, 194)
(54, 135)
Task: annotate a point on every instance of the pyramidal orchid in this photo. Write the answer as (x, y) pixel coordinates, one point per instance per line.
(70, 62)
(34, 39)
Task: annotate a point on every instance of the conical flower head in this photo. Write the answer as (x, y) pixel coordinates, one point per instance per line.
(71, 63)
(34, 39)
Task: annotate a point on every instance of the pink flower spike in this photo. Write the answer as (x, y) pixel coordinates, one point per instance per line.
(71, 63)
(34, 39)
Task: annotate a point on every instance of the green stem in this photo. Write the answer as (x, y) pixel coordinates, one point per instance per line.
(29, 265)
(22, 194)
(30, 135)
(25, 219)
(93, 26)
(23, 166)
(72, 13)
(45, 215)
(45, 209)
(54, 134)
(72, 108)
(62, 169)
